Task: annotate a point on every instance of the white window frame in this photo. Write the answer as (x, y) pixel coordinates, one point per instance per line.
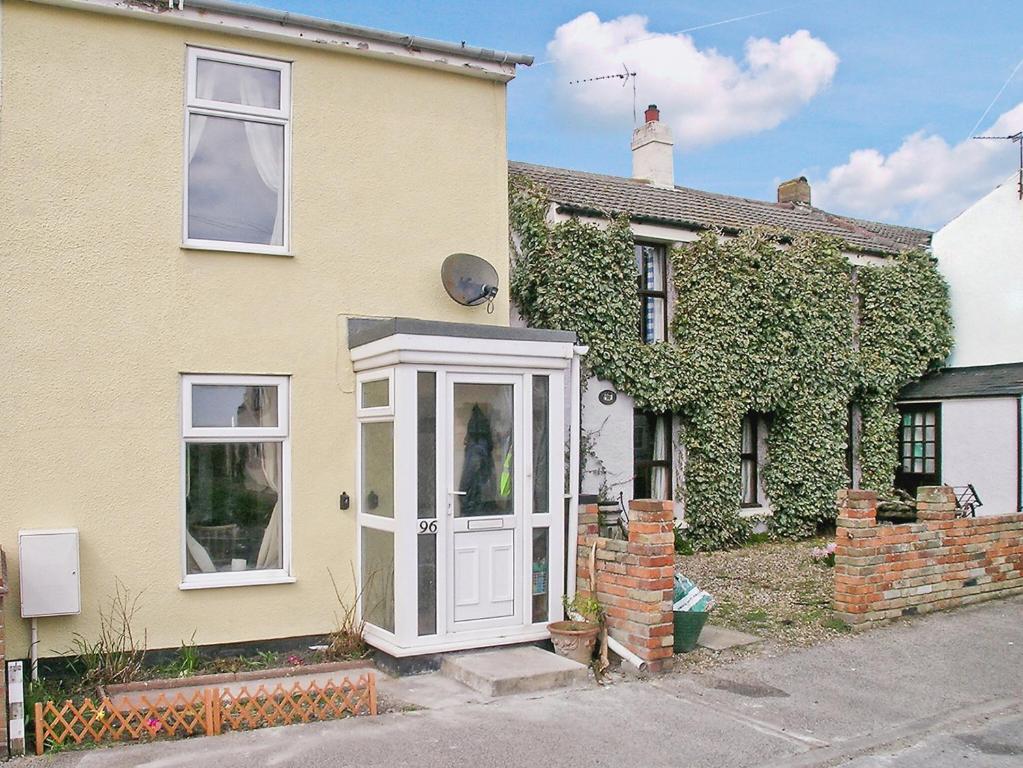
(211, 108)
(279, 434)
(380, 410)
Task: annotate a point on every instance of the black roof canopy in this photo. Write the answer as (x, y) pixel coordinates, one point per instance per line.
(1003, 380)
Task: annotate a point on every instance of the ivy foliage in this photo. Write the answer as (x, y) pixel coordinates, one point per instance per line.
(758, 325)
(905, 330)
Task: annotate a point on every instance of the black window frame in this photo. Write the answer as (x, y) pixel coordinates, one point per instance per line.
(648, 295)
(641, 467)
(911, 480)
(751, 457)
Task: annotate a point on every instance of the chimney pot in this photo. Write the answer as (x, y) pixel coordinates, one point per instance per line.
(652, 148)
(794, 191)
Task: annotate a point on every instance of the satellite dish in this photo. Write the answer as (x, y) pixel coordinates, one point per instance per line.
(469, 280)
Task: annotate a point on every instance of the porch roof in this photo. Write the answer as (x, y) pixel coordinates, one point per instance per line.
(363, 330)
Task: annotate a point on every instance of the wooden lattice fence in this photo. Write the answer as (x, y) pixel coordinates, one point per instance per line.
(207, 712)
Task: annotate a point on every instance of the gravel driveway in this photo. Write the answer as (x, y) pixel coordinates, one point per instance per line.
(772, 590)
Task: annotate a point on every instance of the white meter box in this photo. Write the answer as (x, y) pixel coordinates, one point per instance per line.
(49, 574)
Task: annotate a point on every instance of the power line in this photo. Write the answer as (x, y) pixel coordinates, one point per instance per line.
(997, 95)
(698, 27)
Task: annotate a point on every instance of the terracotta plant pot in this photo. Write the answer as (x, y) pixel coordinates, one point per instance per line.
(574, 640)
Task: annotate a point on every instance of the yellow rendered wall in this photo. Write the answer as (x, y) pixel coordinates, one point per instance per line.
(101, 309)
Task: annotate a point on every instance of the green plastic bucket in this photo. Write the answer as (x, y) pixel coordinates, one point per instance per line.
(688, 625)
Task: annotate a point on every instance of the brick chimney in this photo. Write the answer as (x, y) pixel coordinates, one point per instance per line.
(652, 151)
(794, 191)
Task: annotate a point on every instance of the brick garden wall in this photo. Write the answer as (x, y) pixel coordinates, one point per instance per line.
(884, 571)
(634, 578)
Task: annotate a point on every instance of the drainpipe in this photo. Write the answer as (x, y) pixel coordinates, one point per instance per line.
(574, 440)
(626, 654)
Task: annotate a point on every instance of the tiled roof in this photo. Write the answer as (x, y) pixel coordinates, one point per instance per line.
(579, 192)
(1002, 380)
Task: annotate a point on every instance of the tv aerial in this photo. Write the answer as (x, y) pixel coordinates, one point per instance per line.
(1018, 139)
(626, 76)
(470, 280)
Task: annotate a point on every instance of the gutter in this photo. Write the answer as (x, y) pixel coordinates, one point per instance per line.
(299, 29)
(380, 35)
(785, 235)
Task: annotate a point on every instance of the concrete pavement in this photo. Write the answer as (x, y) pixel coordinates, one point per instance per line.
(940, 690)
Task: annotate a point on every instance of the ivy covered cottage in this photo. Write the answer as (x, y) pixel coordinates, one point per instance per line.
(212, 215)
(744, 356)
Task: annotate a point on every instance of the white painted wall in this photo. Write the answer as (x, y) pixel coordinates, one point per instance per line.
(608, 431)
(979, 445)
(980, 253)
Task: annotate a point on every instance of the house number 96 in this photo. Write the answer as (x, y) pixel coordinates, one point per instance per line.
(427, 526)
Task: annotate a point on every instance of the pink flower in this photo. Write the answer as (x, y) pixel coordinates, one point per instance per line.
(295, 661)
(153, 725)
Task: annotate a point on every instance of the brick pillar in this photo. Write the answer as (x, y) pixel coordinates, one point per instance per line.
(634, 578)
(3, 659)
(857, 556)
(935, 502)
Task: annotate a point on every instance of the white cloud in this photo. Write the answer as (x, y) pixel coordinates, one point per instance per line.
(705, 96)
(926, 181)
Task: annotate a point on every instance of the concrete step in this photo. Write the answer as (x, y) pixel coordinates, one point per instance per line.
(504, 671)
(721, 638)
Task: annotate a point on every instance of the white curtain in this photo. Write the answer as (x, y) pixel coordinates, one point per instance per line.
(266, 143)
(198, 558)
(659, 474)
(197, 123)
(263, 471)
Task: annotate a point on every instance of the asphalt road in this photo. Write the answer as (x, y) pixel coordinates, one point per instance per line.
(936, 691)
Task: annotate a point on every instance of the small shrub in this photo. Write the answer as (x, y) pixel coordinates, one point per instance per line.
(587, 607)
(347, 641)
(188, 658)
(117, 653)
(682, 544)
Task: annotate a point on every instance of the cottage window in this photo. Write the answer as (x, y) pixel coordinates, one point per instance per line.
(237, 136)
(236, 452)
(651, 434)
(919, 447)
(651, 261)
(749, 460)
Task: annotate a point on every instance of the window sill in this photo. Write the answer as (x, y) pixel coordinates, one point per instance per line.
(756, 512)
(255, 250)
(220, 580)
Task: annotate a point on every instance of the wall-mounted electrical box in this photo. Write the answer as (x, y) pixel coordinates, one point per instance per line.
(49, 573)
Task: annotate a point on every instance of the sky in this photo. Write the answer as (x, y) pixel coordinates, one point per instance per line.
(874, 101)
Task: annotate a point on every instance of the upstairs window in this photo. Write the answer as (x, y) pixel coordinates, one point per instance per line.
(237, 136)
(651, 261)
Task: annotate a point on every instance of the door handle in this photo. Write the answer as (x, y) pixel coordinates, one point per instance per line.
(451, 501)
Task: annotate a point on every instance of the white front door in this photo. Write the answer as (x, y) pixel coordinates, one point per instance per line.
(485, 432)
